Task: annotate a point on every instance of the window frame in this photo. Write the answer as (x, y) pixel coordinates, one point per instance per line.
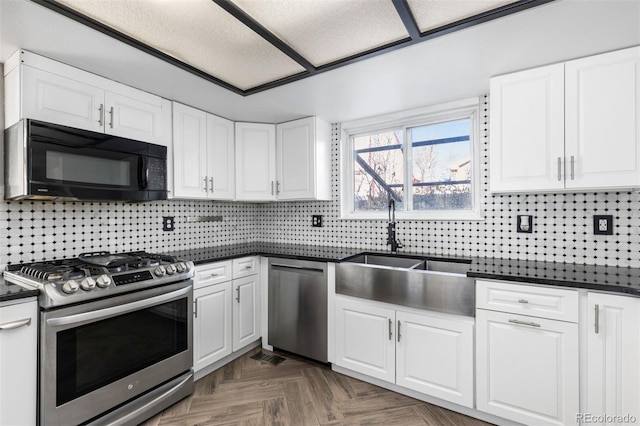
(464, 109)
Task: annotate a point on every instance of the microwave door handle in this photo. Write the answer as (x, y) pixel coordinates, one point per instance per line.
(144, 172)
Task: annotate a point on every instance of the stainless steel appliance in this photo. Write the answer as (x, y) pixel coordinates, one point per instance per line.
(298, 307)
(115, 335)
(46, 161)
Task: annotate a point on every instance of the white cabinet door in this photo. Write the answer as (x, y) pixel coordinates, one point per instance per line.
(190, 178)
(527, 368)
(138, 115)
(246, 311)
(365, 339)
(61, 100)
(613, 345)
(18, 363)
(435, 356)
(304, 160)
(212, 324)
(602, 120)
(221, 158)
(527, 130)
(255, 162)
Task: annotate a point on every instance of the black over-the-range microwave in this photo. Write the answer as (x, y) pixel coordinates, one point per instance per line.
(45, 161)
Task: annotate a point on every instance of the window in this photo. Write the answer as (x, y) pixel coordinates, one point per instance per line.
(423, 159)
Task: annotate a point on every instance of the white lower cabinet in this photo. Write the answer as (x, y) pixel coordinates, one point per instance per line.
(612, 376)
(212, 324)
(246, 311)
(226, 310)
(18, 362)
(427, 352)
(527, 365)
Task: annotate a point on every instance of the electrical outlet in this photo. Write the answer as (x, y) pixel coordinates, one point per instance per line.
(316, 221)
(524, 223)
(603, 224)
(168, 223)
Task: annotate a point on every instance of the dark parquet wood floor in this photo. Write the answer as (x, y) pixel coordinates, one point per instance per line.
(297, 392)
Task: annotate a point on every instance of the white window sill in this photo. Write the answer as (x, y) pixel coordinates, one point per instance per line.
(423, 216)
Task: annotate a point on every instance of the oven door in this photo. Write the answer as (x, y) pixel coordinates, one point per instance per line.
(99, 355)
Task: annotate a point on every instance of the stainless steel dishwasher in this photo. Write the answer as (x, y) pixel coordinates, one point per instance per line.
(298, 307)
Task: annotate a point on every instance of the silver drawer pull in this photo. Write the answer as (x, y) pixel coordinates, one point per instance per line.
(523, 301)
(248, 267)
(529, 323)
(597, 322)
(15, 324)
(214, 274)
(390, 328)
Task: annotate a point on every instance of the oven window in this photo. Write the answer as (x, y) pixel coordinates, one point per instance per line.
(66, 167)
(96, 354)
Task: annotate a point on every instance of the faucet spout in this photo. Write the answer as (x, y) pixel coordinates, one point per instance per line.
(391, 227)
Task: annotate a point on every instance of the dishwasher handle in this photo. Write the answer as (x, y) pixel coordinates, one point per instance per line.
(296, 268)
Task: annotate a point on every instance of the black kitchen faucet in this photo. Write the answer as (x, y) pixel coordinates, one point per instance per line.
(391, 228)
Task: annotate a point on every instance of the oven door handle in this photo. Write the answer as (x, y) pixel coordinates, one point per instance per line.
(117, 310)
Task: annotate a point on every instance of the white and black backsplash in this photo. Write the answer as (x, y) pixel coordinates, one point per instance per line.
(562, 225)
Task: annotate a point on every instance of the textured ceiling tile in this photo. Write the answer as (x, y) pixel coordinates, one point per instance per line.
(431, 14)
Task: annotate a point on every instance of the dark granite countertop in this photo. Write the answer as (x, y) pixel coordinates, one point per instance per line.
(593, 277)
(10, 291)
(604, 278)
(294, 251)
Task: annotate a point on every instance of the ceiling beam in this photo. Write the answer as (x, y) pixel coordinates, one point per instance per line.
(402, 7)
(247, 20)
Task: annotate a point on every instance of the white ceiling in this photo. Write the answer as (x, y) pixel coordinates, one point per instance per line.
(451, 67)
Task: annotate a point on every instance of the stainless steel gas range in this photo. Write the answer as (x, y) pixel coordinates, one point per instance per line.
(115, 336)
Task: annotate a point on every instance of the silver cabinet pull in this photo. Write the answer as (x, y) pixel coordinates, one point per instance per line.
(15, 324)
(101, 118)
(238, 294)
(271, 187)
(211, 182)
(206, 188)
(277, 187)
(390, 328)
(572, 164)
(195, 308)
(529, 323)
(523, 301)
(398, 331)
(111, 117)
(596, 325)
(559, 168)
(214, 275)
(248, 267)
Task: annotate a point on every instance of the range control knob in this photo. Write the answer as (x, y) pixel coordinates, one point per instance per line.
(171, 269)
(70, 287)
(88, 284)
(181, 267)
(159, 271)
(103, 281)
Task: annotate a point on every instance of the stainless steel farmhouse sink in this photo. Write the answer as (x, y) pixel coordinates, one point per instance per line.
(436, 285)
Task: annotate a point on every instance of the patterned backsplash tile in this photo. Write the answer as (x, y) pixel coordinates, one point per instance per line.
(36, 230)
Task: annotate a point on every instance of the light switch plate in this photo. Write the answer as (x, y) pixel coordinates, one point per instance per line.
(524, 223)
(603, 224)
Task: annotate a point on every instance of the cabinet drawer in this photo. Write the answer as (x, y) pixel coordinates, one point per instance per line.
(246, 266)
(543, 302)
(212, 273)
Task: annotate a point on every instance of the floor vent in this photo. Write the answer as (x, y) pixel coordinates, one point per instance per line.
(271, 359)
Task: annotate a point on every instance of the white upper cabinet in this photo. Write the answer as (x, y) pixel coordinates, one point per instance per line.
(42, 89)
(602, 136)
(255, 162)
(203, 155)
(289, 161)
(527, 130)
(304, 160)
(569, 126)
